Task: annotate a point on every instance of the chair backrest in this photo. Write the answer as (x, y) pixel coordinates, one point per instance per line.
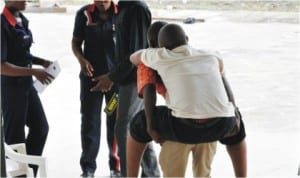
(17, 161)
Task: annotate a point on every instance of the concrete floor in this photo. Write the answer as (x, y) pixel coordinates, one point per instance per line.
(262, 63)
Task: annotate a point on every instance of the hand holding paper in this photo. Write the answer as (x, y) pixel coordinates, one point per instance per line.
(54, 70)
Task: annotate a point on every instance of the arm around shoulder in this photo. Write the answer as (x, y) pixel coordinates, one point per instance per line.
(136, 57)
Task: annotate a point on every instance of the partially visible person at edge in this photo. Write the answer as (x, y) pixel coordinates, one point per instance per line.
(133, 21)
(21, 105)
(176, 153)
(95, 28)
(208, 115)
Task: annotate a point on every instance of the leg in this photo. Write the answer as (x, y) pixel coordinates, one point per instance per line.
(38, 126)
(173, 158)
(3, 166)
(137, 141)
(203, 155)
(237, 150)
(162, 124)
(14, 109)
(129, 105)
(149, 162)
(91, 103)
(135, 151)
(114, 160)
(238, 155)
(14, 105)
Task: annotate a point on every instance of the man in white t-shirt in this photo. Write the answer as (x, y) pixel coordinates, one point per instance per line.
(197, 108)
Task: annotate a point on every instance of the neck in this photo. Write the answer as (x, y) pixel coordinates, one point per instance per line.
(104, 14)
(14, 11)
(127, 1)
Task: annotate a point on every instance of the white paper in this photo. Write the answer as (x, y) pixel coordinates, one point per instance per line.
(54, 70)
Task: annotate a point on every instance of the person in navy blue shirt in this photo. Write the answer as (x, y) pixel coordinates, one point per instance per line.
(94, 29)
(21, 105)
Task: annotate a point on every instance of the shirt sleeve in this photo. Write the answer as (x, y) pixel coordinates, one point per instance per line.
(145, 76)
(150, 57)
(79, 25)
(3, 45)
(161, 89)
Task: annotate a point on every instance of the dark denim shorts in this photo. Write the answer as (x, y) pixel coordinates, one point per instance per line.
(186, 130)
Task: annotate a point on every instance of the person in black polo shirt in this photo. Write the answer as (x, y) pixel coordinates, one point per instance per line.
(133, 21)
(21, 104)
(95, 27)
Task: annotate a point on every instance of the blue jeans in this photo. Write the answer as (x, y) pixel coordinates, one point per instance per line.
(91, 109)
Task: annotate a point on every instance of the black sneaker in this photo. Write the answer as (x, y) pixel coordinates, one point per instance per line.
(114, 173)
(87, 174)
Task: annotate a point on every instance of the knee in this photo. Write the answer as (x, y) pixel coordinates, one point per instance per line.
(42, 131)
(121, 127)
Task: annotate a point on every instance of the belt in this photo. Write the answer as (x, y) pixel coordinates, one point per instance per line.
(203, 123)
(199, 121)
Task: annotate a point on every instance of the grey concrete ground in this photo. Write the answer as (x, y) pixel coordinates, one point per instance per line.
(261, 57)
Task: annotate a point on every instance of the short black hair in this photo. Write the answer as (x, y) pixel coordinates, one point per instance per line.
(152, 34)
(171, 36)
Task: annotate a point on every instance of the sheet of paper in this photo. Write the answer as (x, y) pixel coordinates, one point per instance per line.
(54, 70)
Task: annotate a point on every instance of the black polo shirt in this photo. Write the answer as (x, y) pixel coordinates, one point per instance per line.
(16, 40)
(98, 37)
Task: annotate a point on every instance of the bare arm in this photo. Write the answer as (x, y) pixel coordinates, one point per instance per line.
(221, 66)
(17, 71)
(226, 83)
(149, 94)
(85, 65)
(228, 90)
(42, 62)
(76, 48)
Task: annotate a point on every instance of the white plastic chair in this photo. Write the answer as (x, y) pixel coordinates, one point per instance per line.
(17, 161)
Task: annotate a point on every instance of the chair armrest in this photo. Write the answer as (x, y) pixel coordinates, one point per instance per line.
(23, 158)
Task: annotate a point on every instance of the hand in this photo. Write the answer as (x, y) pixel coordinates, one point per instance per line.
(86, 67)
(104, 83)
(42, 76)
(155, 136)
(46, 63)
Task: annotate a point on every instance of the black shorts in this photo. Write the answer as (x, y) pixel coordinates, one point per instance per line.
(186, 130)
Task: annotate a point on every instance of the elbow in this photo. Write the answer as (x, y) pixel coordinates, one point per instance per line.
(133, 59)
(76, 43)
(4, 68)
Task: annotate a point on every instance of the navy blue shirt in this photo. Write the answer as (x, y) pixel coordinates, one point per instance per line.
(16, 40)
(98, 37)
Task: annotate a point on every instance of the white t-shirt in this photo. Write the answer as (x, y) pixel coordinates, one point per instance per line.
(193, 81)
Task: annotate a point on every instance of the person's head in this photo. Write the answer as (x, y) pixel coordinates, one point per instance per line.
(102, 5)
(171, 36)
(17, 5)
(152, 34)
